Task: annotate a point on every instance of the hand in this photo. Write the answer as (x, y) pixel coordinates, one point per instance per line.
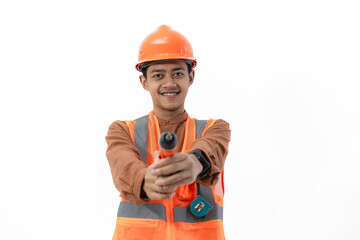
(152, 190)
(172, 172)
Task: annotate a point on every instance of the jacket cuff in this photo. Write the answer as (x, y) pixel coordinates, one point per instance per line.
(137, 189)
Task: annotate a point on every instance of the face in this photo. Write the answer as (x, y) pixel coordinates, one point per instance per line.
(168, 84)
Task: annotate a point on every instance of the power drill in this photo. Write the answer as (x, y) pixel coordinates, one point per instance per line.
(167, 143)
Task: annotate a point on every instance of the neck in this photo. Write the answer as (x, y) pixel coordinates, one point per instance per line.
(166, 115)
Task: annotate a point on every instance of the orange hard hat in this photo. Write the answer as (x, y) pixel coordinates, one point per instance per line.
(165, 44)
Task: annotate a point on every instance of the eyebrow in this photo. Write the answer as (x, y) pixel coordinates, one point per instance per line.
(176, 69)
(162, 70)
(158, 70)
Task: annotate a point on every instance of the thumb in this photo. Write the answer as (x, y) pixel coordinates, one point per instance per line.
(156, 156)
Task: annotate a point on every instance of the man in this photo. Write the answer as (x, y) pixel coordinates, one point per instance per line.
(177, 197)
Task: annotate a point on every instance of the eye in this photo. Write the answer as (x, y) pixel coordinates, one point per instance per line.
(178, 74)
(158, 76)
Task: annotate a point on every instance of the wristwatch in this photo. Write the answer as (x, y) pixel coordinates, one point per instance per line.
(204, 162)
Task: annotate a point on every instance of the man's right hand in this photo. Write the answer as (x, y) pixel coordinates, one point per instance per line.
(152, 190)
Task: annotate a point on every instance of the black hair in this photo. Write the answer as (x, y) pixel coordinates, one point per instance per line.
(144, 69)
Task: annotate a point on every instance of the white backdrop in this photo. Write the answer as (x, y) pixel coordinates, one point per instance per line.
(284, 74)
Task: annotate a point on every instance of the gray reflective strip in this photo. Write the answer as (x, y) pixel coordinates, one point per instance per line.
(149, 211)
(200, 125)
(183, 214)
(141, 136)
(206, 193)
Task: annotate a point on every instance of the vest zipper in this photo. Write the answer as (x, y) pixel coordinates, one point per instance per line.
(170, 218)
(171, 201)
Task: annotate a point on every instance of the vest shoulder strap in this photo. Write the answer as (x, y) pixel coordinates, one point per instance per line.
(202, 126)
(141, 135)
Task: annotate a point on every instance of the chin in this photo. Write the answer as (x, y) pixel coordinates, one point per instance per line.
(172, 108)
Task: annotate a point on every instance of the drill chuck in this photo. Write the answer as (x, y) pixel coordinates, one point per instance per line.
(168, 141)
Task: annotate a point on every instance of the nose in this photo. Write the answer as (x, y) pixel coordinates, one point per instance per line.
(169, 81)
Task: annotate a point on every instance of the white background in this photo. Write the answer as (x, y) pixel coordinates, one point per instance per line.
(284, 74)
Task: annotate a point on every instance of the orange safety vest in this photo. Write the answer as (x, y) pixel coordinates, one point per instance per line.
(170, 219)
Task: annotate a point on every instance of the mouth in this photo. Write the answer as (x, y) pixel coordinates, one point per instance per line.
(170, 94)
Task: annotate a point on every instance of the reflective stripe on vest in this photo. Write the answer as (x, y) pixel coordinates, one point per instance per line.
(150, 210)
(141, 136)
(200, 125)
(158, 210)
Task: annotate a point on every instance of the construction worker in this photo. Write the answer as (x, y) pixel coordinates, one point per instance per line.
(177, 197)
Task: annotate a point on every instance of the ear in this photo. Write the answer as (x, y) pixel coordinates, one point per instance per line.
(191, 77)
(143, 82)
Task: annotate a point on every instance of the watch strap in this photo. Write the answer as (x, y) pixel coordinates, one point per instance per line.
(204, 162)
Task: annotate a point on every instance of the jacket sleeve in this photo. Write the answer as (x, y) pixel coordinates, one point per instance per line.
(127, 169)
(214, 143)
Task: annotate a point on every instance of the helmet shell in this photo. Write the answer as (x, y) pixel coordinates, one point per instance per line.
(165, 44)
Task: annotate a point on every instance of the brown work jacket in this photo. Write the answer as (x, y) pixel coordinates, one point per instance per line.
(128, 170)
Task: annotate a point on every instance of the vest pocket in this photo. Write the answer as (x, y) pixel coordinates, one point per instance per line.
(209, 230)
(138, 228)
(187, 192)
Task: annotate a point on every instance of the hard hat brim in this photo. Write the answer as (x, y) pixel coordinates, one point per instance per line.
(147, 63)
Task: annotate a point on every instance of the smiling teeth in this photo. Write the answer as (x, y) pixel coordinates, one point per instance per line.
(169, 94)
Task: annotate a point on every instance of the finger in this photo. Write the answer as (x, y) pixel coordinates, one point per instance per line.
(177, 157)
(159, 162)
(160, 196)
(150, 184)
(169, 169)
(168, 189)
(173, 187)
(155, 188)
(155, 192)
(156, 156)
(179, 178)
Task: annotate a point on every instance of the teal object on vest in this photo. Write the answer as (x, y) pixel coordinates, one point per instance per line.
(199, 207)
